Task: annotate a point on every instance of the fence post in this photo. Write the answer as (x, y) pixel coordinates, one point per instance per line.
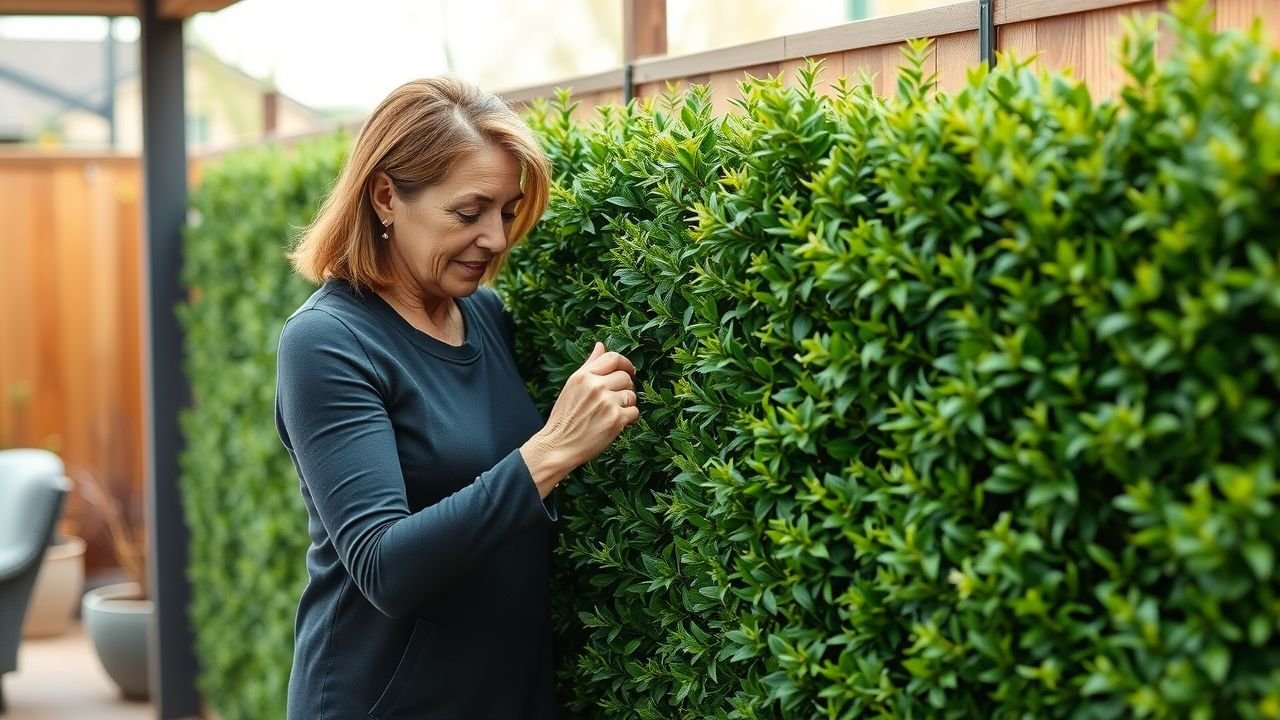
(987, 32)
(644, 33)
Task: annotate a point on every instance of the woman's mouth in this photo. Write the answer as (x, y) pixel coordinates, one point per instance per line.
(474, 268)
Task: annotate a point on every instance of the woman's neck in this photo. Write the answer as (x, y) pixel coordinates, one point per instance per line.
(438, 317)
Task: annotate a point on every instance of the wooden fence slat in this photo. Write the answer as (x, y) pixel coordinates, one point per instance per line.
(43, 303)
(724, 85)
(953, 56)
(1241, 14)
(832, 71)
(1020, 40)
(1103, 71)
(1061, 43)
(891, 60)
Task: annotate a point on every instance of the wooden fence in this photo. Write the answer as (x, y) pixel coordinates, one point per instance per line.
(70, 320)
(71, 365)
(1076, 34)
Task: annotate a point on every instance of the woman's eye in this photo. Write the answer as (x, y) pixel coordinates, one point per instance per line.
(508, 217)
(465, 218)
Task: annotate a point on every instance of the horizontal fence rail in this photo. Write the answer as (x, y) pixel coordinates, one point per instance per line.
(1079, 35)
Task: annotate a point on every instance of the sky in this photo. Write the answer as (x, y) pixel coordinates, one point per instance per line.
(330, 53)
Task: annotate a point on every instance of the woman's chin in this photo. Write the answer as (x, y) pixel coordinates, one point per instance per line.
(462, 288)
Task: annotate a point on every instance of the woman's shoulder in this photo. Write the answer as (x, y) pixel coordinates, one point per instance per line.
(332, 314)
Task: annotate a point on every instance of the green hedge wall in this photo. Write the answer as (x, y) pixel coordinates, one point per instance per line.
(248, 523)
(954, 406)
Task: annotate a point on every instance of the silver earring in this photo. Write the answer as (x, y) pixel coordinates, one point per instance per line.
(385, 223)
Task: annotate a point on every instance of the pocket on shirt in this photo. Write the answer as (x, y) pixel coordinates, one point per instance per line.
(407, 682)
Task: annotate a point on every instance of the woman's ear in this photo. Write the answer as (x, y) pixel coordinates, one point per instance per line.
(381, 193)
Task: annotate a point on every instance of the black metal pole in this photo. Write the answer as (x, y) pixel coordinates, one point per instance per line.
(987, 32)
(173, 661)
(628, 83)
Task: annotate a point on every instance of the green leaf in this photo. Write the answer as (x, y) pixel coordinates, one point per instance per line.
(1261, 559)
(1216, 661)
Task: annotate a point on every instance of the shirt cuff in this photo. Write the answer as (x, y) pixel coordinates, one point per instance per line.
(547, 507)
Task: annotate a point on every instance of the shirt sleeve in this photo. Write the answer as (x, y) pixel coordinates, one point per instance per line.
(332, 415)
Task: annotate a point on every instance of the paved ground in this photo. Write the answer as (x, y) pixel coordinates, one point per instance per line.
(59, 678)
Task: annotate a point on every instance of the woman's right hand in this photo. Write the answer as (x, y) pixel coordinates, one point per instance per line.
(597, 403)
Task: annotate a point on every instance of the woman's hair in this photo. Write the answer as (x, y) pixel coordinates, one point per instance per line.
(416, 136)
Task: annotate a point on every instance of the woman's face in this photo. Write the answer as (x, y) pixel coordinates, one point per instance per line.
(446, 239)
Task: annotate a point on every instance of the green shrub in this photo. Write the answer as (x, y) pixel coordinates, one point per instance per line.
(248, 523)
(954, 406)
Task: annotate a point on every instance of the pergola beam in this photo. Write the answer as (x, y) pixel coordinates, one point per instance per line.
(165, 9)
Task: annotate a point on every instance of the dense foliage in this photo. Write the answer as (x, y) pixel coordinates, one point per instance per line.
(954, 406)
(248, 524)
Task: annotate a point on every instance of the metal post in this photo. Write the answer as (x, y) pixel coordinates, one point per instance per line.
(173, 662)
(987, 32)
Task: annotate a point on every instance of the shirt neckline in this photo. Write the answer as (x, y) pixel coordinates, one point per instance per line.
(462, 354)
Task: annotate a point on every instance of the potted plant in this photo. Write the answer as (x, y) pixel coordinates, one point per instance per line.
(117, 617)
(57, 590)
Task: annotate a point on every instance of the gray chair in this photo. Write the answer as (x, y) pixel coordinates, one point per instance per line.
(32, 491)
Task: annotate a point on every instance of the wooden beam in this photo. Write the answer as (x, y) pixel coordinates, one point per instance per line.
(644, 29)
(168, 9)
(180, 9)
(68, 7)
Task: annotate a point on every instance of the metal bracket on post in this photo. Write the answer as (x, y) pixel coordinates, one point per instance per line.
(628, 83)
(987, 32)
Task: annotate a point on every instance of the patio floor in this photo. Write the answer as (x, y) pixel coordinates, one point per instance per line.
(59, 678)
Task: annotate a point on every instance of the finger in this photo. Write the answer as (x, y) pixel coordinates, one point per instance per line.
(618, 380)
(609, 362)
(628, 398)
(596, 352)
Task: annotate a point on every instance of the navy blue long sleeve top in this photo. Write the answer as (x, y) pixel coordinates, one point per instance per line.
(428, 591)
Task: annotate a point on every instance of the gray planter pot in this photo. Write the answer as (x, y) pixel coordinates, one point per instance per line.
(118, 623)
(58, 589)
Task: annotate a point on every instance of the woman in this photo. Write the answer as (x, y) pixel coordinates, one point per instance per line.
(426, 469)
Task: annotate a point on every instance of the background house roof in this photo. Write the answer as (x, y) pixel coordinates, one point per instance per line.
(73, 67)
(77, 68)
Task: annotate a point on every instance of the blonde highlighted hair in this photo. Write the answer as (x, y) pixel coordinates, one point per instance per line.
(416, 136)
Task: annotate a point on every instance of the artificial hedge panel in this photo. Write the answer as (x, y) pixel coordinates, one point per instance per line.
(248, 523)
(953, 405)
